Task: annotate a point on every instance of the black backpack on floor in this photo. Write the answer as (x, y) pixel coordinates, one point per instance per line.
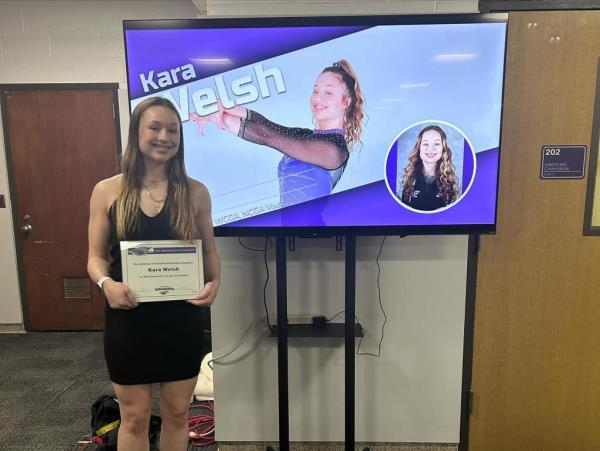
(106, 420)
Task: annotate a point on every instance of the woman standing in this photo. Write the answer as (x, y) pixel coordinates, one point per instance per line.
(154, 342)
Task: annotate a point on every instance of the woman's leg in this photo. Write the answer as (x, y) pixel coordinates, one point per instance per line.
(174, 409)
(135, 405)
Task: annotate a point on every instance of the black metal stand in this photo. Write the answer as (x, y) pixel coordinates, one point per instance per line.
(350, 292)
(282, 351)
(350, 332)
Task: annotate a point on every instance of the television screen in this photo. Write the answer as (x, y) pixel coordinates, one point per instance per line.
(333, 125)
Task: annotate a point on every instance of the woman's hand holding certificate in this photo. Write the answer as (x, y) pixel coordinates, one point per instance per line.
(206, 296)
(118, 295)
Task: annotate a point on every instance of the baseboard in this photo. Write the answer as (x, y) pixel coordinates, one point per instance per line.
(12, 328)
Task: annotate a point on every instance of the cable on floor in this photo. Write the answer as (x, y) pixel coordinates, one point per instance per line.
(202, 427)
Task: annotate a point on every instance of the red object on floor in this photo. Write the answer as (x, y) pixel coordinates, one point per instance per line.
(202, 427)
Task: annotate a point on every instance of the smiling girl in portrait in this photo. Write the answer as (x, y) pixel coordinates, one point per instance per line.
(430, 181)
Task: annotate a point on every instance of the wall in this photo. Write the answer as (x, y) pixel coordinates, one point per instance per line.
(10, 305)
(411, 393)
(340, 7)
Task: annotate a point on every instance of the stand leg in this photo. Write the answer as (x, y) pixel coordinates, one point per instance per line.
(282, 351)
(349, 329)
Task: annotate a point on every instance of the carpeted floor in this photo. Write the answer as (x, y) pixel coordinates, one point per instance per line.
(48, 382)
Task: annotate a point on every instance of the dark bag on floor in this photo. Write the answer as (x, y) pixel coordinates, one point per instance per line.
(106, 420)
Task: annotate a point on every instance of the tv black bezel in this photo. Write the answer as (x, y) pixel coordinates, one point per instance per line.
(362, 20)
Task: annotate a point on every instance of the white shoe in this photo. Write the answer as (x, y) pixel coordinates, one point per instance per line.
(204, 390)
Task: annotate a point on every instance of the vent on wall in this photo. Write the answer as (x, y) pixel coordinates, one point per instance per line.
(77, 288)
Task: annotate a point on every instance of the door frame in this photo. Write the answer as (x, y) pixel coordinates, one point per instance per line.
(114, 87)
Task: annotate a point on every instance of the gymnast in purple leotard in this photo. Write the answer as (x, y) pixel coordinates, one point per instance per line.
(313, 160)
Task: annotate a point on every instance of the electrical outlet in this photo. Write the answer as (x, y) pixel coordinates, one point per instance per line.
(300, 319)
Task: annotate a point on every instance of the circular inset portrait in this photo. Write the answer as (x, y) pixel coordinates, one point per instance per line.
(430, 166)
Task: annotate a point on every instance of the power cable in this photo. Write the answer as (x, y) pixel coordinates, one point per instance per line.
(202, 427)
(380, 306)
(268, 245)
(239, 343)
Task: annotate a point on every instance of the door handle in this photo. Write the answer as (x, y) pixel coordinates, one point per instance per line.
(26, 228)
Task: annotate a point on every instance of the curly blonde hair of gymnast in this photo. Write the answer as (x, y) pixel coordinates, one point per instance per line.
(354, 116)
(178, 202)
(447, 181)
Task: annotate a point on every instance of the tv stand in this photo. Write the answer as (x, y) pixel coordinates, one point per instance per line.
(336, 330)
(283, 330)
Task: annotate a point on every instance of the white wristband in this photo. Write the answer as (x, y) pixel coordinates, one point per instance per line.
(101, 283)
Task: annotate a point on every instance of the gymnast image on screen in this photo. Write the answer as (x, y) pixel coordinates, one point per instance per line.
(313, 160)
(430, 182)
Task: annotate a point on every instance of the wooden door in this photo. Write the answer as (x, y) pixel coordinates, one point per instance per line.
(536, 365)
(60, 143)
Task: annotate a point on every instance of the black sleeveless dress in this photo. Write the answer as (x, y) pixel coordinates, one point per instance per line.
(155, 341)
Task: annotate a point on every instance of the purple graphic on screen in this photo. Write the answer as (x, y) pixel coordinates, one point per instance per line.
(373, 205)
(212, 51)
(391, 168)
(467, 167)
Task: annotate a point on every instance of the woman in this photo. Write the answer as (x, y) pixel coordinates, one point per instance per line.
(153, 342)
(313, 160)
(430, 181)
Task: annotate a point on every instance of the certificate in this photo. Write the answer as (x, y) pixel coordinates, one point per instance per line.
(162, 270)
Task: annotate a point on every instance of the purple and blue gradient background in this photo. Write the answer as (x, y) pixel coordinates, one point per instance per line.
(161, 50)
(373, 205)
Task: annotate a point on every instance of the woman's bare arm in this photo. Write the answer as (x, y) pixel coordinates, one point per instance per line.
(212, 264)
(117, 294)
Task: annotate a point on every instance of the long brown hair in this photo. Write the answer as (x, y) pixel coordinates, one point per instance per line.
(177, 203)
(445, 172)
(354, 115)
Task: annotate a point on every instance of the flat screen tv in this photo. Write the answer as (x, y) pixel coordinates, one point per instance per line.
(333, 125)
